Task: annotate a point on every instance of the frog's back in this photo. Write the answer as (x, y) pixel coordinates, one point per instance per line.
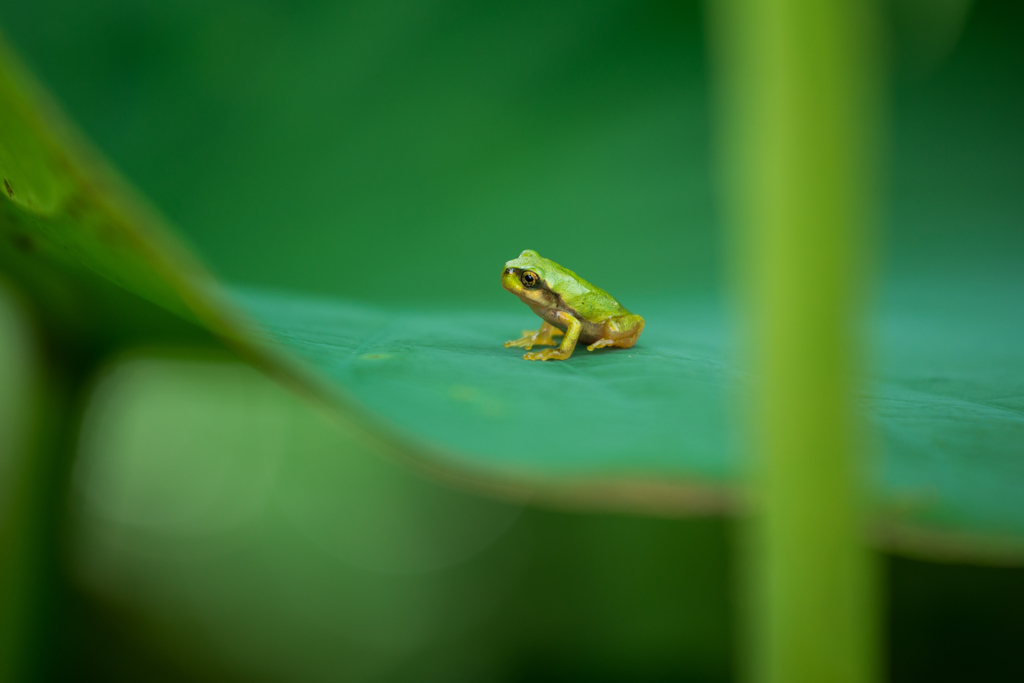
(585, 300)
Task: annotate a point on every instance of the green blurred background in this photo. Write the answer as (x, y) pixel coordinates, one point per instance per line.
(352, 148)
(399, 153)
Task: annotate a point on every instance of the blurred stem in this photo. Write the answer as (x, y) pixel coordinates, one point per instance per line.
(36, 465)
(799, 130)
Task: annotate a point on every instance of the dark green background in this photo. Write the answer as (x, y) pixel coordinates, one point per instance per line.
(401, 151)
(404, 151)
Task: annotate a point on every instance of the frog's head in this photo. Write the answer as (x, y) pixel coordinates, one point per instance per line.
(526, 278)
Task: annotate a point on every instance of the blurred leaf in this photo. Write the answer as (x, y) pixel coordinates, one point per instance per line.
(75, 236)
(252, 536)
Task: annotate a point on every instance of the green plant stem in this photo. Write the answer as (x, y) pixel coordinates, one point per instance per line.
(799, 126)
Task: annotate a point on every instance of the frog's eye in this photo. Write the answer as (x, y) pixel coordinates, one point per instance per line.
(529, 279)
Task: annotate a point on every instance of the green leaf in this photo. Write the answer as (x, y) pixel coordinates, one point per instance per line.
(653, 427)
(626, 423)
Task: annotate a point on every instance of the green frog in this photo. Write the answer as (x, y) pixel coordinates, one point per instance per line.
(571, 307)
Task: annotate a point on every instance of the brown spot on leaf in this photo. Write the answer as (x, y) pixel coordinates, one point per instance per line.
(7, 186)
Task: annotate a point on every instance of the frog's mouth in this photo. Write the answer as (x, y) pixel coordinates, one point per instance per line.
(510, 281)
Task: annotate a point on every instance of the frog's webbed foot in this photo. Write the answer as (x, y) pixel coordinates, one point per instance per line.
(541, 337)
(548, 354)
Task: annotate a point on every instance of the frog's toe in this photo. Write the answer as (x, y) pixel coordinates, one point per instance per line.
(600, 344)
(546, 354)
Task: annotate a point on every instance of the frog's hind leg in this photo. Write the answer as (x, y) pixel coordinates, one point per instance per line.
(621, 332)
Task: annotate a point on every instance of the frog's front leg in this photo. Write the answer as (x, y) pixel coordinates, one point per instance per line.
(573, 327)
(541, 337)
